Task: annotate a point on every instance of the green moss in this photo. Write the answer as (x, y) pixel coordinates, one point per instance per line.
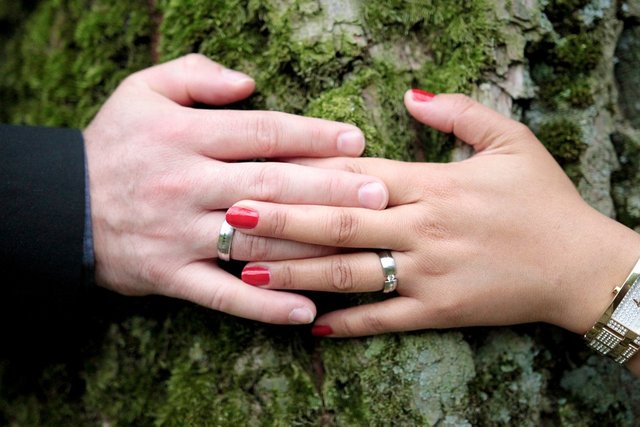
(362, 101)
(293, 52)
(70, 56)
(127, 371)
(582, 51)
(11, 15)
(227, 30)
(459, 37)
(627, 56)
(259, 382)
(563, 138)
(601, 389)
(410, 379)
(52, 402)
(199, 368)
(564, 14)
(507, 391)
(338, 62)
(563, 70)
(563, 61)
(627, 178)
(351, 63)
(628, 151)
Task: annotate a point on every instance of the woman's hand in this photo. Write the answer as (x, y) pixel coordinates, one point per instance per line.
(162, 174)
(500, 238)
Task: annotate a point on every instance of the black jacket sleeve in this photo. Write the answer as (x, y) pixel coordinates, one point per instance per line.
(42, 210)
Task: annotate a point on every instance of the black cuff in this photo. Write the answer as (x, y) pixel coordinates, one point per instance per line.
(42, 220)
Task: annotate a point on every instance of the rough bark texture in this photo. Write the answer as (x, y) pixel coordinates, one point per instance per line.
(568, 68)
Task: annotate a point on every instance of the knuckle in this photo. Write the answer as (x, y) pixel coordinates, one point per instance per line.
(462, 106)
(372, 322)
(287, 277)
(265, 132)
(269, 183)
(317, 137)
(340, 276)
(433, 266)
(462, 102)
(279, 222)
(349, 327)
(253, 248)
(192, 60)
(335, 186)
(177, 130)
(521, 131)
(265, 313)
(343, 228)
(217, 299)
(431, 228)
(367, 323)
(131, 80)
(354, 167)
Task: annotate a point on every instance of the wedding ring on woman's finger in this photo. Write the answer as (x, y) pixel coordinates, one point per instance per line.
(225, 238)
(388, 271)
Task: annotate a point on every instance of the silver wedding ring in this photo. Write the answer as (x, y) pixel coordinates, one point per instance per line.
(388, 271)
(224, 241)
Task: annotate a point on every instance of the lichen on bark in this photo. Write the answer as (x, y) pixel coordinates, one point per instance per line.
(153, 362)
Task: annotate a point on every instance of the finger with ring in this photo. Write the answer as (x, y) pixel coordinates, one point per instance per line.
(251, 248)
(345, 273)
(225, 238)
(388, 271)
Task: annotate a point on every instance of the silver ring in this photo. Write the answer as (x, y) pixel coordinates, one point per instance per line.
(388, 271)
(224, 241)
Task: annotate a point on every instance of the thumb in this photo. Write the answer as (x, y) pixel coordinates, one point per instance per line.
(477, 125)
(195, 78)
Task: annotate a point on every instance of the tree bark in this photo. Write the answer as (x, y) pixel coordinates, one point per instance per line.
(567, 68)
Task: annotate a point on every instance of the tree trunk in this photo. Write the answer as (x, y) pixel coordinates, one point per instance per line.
(568, 68)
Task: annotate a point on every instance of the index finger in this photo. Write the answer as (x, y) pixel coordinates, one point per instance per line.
(243, 135)
(325, 225)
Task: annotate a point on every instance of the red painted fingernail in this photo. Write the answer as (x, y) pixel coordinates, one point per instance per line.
(422, 95)
(257, 276)
(321, 330)
(240, 217)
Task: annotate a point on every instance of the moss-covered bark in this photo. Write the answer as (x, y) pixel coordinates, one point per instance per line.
(117, 361)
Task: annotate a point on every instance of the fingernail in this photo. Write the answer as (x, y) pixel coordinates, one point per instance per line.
(372, 196)
(351, 143)
(234, 76)
(257, 276)
(301, 316)
(321, 330)
(240, 217)
(422, 95)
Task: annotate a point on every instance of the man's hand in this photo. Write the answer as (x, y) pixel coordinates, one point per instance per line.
(162, 174)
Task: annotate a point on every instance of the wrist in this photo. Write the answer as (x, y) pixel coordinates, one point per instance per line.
(615, 334)
(600, 261)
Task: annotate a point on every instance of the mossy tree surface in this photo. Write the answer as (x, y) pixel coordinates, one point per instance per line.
(157, 362)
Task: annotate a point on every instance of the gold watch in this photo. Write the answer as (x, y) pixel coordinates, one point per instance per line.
(617, 333)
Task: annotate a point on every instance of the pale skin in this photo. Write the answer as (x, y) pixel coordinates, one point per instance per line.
(162, 175)
(500, 238)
